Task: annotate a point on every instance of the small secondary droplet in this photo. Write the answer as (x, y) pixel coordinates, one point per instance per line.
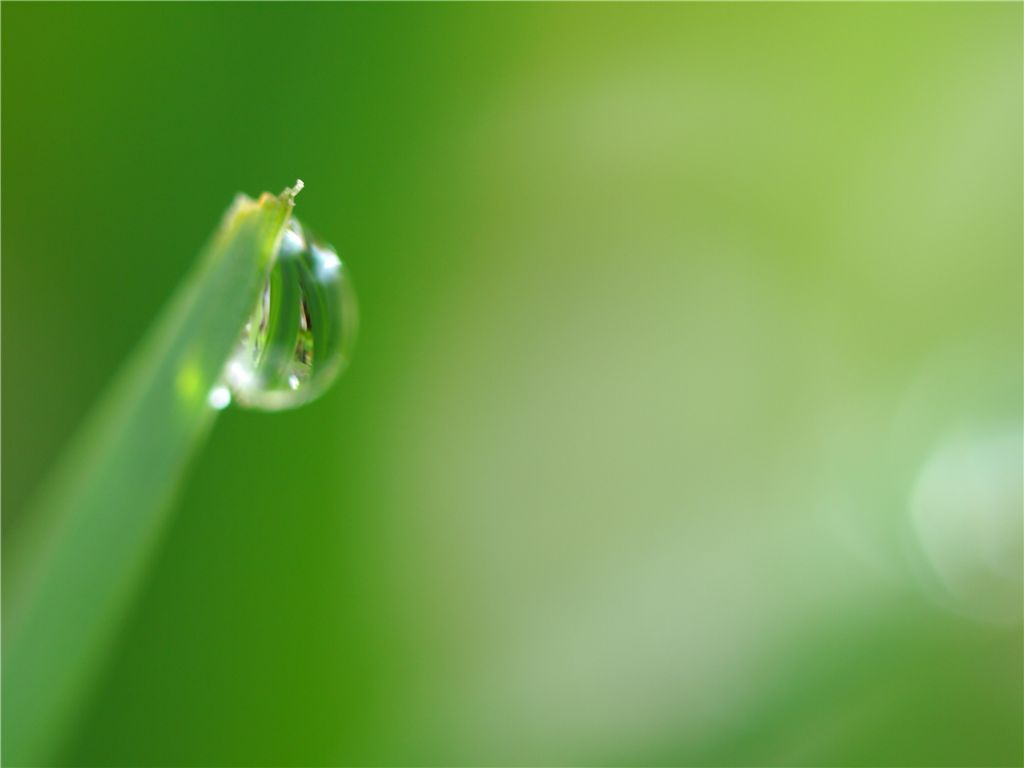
(301, 332)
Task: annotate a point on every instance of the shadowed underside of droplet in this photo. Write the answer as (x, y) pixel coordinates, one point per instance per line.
(301, 332)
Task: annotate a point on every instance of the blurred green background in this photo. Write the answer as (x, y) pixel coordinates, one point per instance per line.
(684, 425)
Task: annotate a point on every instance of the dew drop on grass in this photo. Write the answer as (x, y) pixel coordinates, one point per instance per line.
(301, 332)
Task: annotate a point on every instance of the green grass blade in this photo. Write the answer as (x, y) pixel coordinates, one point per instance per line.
(76, 561)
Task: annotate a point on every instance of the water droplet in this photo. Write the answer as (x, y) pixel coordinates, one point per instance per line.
(302, 329)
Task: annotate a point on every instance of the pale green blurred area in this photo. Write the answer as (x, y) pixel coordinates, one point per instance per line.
(685, 421)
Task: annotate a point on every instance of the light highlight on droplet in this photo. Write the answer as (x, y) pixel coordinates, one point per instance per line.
(219, 398)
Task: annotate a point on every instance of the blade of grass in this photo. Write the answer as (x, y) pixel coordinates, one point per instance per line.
(73, 567)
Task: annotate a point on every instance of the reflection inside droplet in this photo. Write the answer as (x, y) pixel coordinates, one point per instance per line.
(301, 332)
